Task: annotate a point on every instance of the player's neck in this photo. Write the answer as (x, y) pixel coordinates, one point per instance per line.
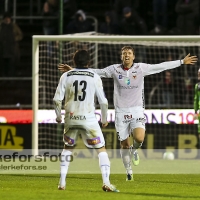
(127, 66)
(78, 67)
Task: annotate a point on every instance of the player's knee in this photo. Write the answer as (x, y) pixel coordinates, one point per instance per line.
(139, 138)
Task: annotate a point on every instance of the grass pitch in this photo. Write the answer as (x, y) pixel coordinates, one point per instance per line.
(88, 187)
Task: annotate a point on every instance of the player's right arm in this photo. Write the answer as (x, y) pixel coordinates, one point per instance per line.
(64, 67)
(196, 101)
(105, 72)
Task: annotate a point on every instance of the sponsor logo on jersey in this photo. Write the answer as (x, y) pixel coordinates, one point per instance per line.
(127, 121)
(68, 140)
(136, 66)
(120, 76)
(77, 117)
(81, 73)
(127, 87)
(134, 74)
(127, 116)
(142, 120)
(127, 81)
(94, 141)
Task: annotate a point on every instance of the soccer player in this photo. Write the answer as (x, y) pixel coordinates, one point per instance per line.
(79, 87)
(197, 103)
(129, 99)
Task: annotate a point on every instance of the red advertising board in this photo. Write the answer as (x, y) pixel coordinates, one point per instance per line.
(16, 116)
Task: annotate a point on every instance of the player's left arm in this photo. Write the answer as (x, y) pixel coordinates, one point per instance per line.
(190, 60)
(102, 101)
(148, 69)
(58, 97)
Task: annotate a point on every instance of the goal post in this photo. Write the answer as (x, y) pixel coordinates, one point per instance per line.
(104, 51)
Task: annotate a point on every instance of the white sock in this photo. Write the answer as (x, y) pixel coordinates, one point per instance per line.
(125, 155)
(64, 164)
(104, 164)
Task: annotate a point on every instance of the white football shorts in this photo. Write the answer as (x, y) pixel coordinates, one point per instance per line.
(87, 126)
(127, 119)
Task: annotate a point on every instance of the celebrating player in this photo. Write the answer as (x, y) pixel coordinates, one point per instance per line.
(79, 87)
(129, 99)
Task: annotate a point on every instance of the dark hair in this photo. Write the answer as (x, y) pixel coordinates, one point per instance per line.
(81, 58)
(128, 48)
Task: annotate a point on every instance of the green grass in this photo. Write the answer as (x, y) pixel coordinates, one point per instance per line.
(88, 187)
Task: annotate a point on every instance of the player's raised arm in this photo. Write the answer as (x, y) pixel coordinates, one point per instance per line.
(149, 69)
(190, 60)
(64, 67)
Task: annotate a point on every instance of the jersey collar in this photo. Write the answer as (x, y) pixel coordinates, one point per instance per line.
(125, 68)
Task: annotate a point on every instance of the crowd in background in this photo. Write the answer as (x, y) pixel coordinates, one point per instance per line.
(169, 17)
(130, 17)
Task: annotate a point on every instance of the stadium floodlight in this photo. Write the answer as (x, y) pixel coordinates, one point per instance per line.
(49, 51)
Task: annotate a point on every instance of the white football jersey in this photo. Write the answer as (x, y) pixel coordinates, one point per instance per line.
(79, 87)
(129, 84)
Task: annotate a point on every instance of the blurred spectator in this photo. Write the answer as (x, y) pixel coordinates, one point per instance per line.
(50, 9)
(10, 35)
(188, 90)
(167, 87)
(120, 4)
(132, 23)
(187, 17)
(69, 8)
(80, 23)
(50, 25)
(109, 26)
(160, 16)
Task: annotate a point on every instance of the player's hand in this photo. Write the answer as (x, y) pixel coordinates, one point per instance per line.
(104, 124)
(58, 120)
(190, 59)
(64, 67)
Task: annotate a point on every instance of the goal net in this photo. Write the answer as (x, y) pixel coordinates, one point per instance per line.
(49, 51)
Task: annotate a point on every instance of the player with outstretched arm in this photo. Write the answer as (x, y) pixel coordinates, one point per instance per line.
(129, 99)
(79, 87)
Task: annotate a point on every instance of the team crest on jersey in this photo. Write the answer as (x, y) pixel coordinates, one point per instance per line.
(94, 141)
(120, 77)
(71, 114)
(127, 81)
(128, 116)
(134, 74)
